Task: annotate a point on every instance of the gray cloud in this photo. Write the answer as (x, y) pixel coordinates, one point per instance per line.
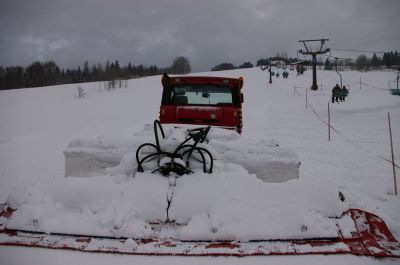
(206, 32)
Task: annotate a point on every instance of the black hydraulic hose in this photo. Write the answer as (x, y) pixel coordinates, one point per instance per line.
(190, 151)
(157, 146)
(140, 168)
(139, 162)
(157, 122)
(198, 135)
(175, 153)
(211, 158)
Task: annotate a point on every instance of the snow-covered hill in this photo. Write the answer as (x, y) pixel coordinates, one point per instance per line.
(38, 123)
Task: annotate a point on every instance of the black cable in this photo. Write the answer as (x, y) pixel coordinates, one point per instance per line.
(157, 122)
(355, 50)
(198, 135)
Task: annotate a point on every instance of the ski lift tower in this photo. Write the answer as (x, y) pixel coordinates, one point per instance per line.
(314, 48)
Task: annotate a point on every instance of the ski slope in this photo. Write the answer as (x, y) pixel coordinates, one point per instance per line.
(38, 123)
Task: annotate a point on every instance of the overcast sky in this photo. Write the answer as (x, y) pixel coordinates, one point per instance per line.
(206, 32)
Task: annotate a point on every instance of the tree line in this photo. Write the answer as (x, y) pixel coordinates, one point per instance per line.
(49, 73)
(230, 66)
(260, 62)
(363, 63)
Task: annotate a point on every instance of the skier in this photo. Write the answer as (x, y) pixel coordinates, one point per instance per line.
(345, 92)
(335, 90)
(286, 74)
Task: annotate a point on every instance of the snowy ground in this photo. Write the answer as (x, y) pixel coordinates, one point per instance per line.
(38, 123)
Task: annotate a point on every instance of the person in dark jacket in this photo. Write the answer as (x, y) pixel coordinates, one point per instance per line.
(345, 92)
(335, 90)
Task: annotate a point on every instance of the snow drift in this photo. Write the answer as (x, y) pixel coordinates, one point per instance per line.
(236, 202)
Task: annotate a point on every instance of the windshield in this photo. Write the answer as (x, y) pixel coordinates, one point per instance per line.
(199, 95)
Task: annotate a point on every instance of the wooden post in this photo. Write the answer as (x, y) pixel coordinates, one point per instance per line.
(391, 148)
(329, 123)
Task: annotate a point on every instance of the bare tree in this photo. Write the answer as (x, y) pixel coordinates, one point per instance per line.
(81, 92)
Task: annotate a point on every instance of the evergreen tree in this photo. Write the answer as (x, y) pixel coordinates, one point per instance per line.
(262, 62)
(374, 61)
(2, 78)
(86, 72)
(52, 73)
(35, 75)
(385, 59)
(223, 67)
(13, 77)
(140, 70)
(246, 65)
(79, 75)
(362, 63)
(129, 70)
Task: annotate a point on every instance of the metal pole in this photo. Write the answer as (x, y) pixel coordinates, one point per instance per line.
(341, 84)
(270, 73)
(360, 82)
(329, 123)
(391, 148)
(314, 54)
(314, 69)
(306, 99)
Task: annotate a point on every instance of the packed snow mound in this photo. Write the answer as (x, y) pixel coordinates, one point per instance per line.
(268, 160)
(228, 205)
(101, 206)
(232, 206)
(235, 202)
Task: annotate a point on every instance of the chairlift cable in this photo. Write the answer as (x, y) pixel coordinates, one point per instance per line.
(346, 50)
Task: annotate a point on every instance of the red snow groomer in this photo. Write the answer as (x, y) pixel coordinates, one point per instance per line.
(202, 100)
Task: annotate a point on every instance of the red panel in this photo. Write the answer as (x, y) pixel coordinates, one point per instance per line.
(168, 114)
(199, 114)
(202, 80)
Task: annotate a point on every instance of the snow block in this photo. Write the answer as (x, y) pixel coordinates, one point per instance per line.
(269, 161)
